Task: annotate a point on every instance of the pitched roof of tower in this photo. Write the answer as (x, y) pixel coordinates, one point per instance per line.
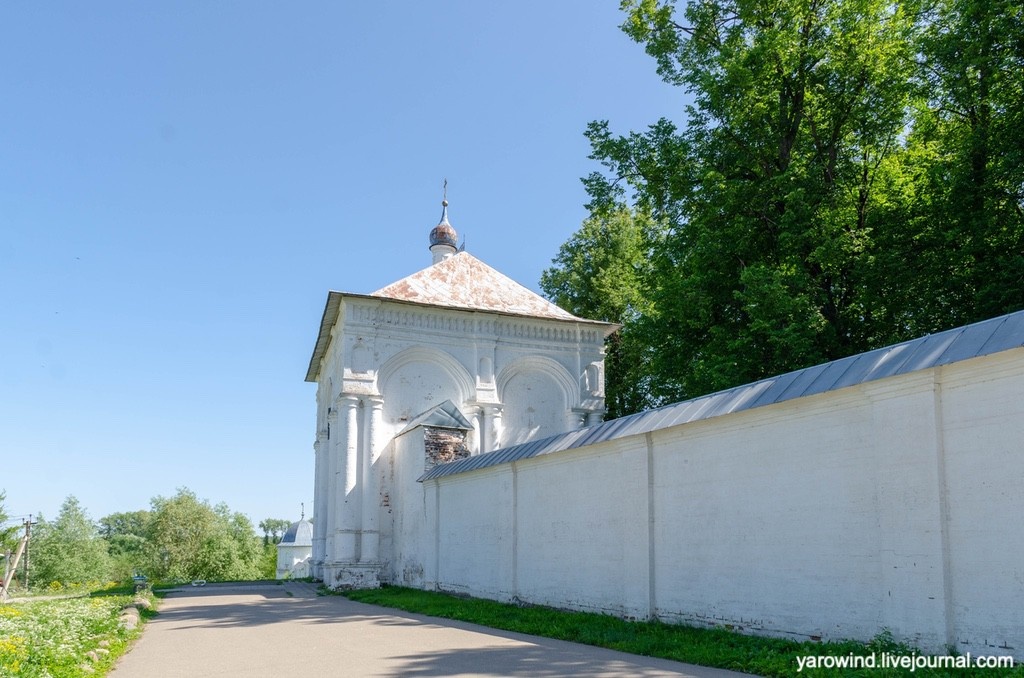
(465, 282)
(461, 282)
(456, 280)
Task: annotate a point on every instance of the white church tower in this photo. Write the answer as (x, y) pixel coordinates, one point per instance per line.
(479, 360)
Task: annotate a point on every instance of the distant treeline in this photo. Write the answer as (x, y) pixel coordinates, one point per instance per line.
(180, 538)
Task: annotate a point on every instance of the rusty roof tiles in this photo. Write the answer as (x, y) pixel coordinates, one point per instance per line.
(463, 281)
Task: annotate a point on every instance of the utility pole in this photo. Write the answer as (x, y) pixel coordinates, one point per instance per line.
(22, 548)
(28, 538)
(7, 572)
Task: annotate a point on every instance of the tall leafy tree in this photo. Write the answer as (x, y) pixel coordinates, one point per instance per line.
(273, 529)
(246, 546)
(848, 175)
(8, 532)
(124, 523)
(190, 539)
(68, 550)
(125, 534)
(604, 273)
(967, 146)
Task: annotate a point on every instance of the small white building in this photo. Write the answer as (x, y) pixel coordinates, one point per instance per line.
(513, 366)
(295, 551)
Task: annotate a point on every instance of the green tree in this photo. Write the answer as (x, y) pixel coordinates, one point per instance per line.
(247, 547)
(787, 196)
(268, 562)
(124, 523)
(273, 529)
(190, 539)
(125, 534)
(850, 174)
(68, 550)
(967, 147)
(8, 532)
(604, 273)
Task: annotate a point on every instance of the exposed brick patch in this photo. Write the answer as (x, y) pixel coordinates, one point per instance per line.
(443, 445)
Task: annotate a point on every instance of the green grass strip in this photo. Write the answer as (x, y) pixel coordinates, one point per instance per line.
(714, 647)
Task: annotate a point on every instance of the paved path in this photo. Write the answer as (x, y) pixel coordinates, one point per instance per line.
(288, 630)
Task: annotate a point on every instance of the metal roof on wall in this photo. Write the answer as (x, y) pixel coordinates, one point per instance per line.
(972, 341)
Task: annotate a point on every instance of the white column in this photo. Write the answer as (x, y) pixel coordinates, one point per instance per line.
(492, 416)
(574, 419)
(320, 501)
(373, 407)
(331, 482)
(595, 417)
(476, 417)
(346, 500)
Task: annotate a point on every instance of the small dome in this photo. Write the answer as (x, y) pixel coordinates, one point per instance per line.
(443, 233)
(299, 534)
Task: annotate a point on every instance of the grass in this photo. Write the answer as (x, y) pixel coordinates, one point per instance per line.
(707, 647)
(65, 638)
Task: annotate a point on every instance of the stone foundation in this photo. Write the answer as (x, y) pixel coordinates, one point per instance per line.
(351, 575)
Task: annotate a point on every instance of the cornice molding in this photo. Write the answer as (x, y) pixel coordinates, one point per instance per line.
(376, 314)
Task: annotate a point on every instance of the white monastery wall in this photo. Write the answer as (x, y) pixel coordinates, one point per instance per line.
(474, 533)
(894, 504)
(557, 528)
(783, 519)
(409, 540)
(984, 475)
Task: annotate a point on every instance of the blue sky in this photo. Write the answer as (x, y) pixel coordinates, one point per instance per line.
(182, 183)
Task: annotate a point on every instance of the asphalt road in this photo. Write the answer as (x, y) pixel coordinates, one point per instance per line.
(288, 630)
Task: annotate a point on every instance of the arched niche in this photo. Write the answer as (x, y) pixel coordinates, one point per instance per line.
(536, 394)
(419, 378)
